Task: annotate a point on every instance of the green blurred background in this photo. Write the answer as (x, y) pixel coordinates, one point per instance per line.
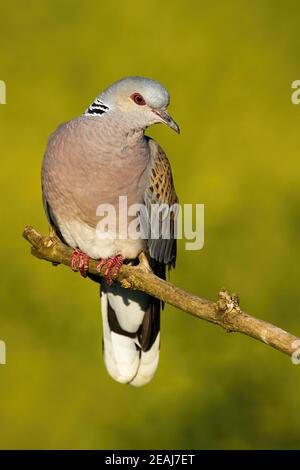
(229, 68)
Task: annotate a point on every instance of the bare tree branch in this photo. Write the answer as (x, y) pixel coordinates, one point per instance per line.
(225, 312)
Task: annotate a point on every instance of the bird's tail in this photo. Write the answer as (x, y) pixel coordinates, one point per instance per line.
(131, 336)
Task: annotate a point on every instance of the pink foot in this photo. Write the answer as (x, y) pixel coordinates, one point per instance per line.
(80, 262)
(113, 266)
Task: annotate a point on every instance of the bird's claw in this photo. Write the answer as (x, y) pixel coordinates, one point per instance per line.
(113, 266)
(80, 262)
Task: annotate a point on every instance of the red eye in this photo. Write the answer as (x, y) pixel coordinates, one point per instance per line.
(138, 99)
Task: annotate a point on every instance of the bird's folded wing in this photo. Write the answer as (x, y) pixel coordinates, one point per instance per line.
(161, 193)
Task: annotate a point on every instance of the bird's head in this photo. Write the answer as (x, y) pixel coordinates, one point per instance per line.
(140, 100)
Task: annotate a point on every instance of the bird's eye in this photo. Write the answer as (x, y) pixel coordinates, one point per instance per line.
(138, 99)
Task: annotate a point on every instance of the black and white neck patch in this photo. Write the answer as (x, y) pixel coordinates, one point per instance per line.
(96, 108)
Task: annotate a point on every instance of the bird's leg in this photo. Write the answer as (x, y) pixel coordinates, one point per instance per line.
(113, 266)
(144, 263)
(80, 262)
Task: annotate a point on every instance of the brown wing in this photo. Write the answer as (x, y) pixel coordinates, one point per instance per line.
(162, 251)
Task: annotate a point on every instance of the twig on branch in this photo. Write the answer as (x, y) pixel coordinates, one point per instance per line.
(225, 312)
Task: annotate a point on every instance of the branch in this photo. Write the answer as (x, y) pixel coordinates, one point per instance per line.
(225, 312)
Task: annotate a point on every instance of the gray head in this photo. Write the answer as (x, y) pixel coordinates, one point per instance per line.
(140, 100)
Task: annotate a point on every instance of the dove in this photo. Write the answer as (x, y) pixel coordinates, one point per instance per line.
(95, 159)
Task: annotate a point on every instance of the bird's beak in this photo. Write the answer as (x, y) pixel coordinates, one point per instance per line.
(167, 119)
